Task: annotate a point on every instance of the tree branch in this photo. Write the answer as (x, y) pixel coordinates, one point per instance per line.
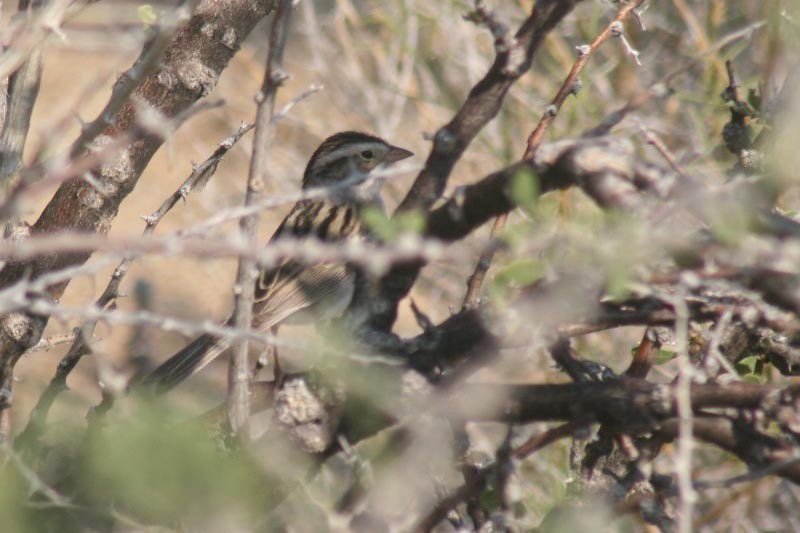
(483, 103)
(188, 71)
(274, 76)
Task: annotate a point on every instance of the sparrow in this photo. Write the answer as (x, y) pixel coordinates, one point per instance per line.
(345, 164)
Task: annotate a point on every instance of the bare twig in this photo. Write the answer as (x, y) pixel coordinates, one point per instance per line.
(31, 33)
(119, 317)
(200, 175)
(568, 86)
(36, 484)
(51, 342)
(23, 89)
(189, 70)
(754, 475)
(713, 353)
(683, 455)
(472, 298)
(482, 104)
(305, 250)
(274, 76)
(665, 152)
(537, 442)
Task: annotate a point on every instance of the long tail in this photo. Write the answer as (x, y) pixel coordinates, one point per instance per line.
(185, 363)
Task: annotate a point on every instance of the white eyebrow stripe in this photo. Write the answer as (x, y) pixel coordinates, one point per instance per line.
(346, 150)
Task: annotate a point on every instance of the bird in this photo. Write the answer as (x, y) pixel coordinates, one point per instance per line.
(290, 291)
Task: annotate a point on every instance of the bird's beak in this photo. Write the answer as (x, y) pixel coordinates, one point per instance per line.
(397, 154)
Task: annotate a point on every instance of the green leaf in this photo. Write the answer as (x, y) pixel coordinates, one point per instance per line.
(664, 356)
(525, 189)
(388, 229)
(490, 499)
(377, 222)
(730, 225)
(147, 14)
(618, 282)
(411, 222)
(754, 100)
(749, 365)
(520, 273)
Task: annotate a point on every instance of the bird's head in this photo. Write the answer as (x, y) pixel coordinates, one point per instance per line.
(351, 157)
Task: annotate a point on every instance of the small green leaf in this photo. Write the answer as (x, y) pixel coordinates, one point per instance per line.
(389, 229)
(490, 499)
(664, 356)
(525, 189)
(520, 273)
(748, 365)
(411, 222)
(754, 100)
(377, 222)
(147, 14)
(618, 282)
(730, 225)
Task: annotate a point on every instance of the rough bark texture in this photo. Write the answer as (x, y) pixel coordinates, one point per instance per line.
(189, 70)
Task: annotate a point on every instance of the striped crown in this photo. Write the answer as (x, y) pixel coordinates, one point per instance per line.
(324, 161)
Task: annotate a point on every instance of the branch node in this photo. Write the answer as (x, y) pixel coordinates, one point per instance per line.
(278, 76)
(444, 140)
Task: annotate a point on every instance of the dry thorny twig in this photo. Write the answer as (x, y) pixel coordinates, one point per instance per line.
(739, 289)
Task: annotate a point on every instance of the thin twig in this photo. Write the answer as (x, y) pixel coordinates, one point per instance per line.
(683, 398)
(568, 86)
(472, 297)
(753, 475)
(51, 342)
(120, 317)
(80, 347)
(660, 88)
(642, 360)
(377, 258)
(713, 352)
(665, 152)
(537, 442)
(23, 89)
(35, 483)
(274, 76)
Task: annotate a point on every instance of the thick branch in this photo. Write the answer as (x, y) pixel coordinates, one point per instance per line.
(483, 103)
(604, 167)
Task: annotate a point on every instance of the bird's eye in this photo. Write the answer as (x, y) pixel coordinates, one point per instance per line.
(367, 155)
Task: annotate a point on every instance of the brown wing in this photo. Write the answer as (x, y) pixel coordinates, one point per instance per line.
(281, 291)
(323, 289)
(291, 286)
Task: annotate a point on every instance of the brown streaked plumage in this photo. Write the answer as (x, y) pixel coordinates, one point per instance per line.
(292, 290)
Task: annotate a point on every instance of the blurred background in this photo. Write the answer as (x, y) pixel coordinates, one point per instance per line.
(399, 69)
